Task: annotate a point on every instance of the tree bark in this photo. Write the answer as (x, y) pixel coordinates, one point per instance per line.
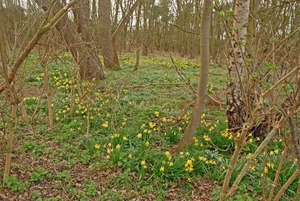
(203, 80)
(105, 34)
(234, 91)
(83, 52)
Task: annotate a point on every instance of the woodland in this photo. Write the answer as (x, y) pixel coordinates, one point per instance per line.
(149, 100)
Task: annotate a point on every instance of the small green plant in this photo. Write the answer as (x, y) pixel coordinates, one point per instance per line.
(91, 188)
(15, 185)
(38, 175)
(111, 195)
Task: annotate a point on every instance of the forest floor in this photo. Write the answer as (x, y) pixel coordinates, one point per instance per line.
(38, 175)
(111, 138)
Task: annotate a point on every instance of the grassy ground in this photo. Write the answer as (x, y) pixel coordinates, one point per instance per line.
(112, 143)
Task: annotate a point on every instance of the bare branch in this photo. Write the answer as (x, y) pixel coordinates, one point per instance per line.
(34, 41)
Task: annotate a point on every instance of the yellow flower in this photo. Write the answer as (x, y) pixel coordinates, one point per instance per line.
(139, 135)
(143, 163)
(211, 162)
(118, 146)
(189, 169)
(147, 143)
(97, 146)
(171, 164)
(189, 162)
(206, 138)
(189, 179)
(124, 138)
(130, 156)
(105, 125)
(156, 113)
(164, 119)
(162, 169)
(270, 165)
(201, 158)
(152, 125)
(252, 168)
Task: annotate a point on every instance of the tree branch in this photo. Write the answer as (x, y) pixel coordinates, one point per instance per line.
(33, 42)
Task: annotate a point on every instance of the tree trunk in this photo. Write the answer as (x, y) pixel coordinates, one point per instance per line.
(138, 40)
(83, 53)
(203, 80)
(121, 25)
(234, 91)
(105, 34)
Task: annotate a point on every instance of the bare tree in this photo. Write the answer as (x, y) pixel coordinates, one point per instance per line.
(83, 51)
(235, 101)
(23, 55)
(138, 39)
(120, 26)
(203, 80)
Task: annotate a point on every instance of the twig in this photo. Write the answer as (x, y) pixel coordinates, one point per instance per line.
(278, 171)
(287, 184)
(33, 43)
(182, 75)
(245, 169)
(294, 139)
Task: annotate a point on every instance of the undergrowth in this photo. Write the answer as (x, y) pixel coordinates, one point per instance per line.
(119, 130)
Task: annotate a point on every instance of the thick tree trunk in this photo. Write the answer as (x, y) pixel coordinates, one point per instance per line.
(106, 42)
(83, 53)
(235, 101)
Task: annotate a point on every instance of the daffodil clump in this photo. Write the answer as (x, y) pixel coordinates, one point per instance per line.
(159, 62)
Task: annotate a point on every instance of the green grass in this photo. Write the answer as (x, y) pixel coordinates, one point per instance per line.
(114, 145)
